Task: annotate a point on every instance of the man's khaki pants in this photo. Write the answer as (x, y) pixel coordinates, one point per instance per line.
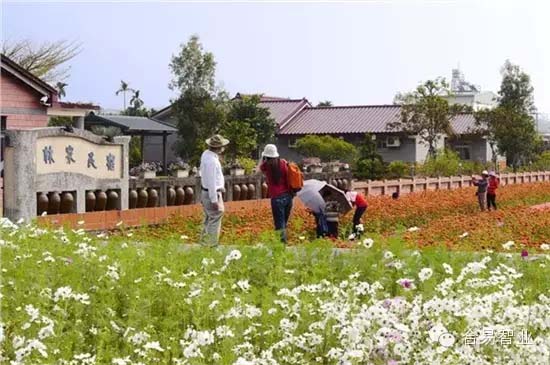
(212, 220)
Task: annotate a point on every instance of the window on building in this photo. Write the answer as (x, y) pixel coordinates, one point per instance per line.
(464, 152)
(381, 143)
(292, 142)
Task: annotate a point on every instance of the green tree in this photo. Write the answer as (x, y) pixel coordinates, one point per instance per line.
(516, 91)
(200, 109)
(124, 88)
(511, 126)
(198, 117)
(60, 86)
(325, 103)
(44, 60)
(327, 148)
(242, 139)
(247, 109)
(193, 68)
(369, 164)
(425, 112)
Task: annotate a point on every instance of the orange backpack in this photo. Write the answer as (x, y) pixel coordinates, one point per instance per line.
(295, 176)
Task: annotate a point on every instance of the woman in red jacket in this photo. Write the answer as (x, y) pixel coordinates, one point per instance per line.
(491, 191)
(275, 170)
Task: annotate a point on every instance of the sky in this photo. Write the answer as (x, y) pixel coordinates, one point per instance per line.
(349, 53)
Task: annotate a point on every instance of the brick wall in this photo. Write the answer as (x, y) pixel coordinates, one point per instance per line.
(21, 104)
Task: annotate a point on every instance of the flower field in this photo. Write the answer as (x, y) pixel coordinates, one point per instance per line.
(450, 218)
(73, 298)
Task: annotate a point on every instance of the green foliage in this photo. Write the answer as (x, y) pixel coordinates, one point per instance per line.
(369, 164)
(248, 164)
(124, 88)
(516, 91)
(324, 104)
(542, 163)
(511, 127)
(60, 121)
(242, 139)
(327, 148)
(198, 117)
(135, 151)
(193, 68)
(371, 169)
(426, 113)
(445, 163)
(397, 169)
(247, 109)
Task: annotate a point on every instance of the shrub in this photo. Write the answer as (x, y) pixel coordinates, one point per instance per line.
(248, 164)
(327, 148)
(445, 163)
(397, 169)
(542, 163)
(372, 169)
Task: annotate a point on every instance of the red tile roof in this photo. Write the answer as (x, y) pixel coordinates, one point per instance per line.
(355, 119)
(342, 120)
(283, 110)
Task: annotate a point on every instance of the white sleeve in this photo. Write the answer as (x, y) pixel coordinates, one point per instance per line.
(211, 182)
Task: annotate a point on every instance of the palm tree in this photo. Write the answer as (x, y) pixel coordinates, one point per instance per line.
(124, 88)
(325, 103)
(136, 101)
(60, 86)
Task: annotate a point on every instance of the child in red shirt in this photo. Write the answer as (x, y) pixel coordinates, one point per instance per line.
(491, 191)
(358, 200)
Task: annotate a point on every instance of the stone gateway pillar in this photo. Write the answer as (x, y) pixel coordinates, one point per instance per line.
(53, 164)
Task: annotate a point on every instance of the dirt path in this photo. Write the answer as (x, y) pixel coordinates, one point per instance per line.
(545, 206)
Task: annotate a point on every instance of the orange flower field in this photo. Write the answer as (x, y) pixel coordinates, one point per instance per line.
(450, 218)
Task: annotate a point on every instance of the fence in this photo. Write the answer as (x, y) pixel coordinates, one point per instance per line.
(172, 191)
(405, 186)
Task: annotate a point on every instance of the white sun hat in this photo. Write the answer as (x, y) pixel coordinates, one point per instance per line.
(484, 172)
(270, 151)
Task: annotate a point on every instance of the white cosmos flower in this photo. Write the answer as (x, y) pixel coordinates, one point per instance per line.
(232, 256)
(243, 285)
(388, 255)
(425, 274)
(545, 247)
(508, 245)
(463, 235)
(368, 242)
(413, 229)
(448, 269)
(155, 345)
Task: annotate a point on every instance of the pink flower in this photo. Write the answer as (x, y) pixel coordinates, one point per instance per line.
(524, 253)
(392, 362)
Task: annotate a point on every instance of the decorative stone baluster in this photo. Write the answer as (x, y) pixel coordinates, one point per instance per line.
(112, 200)
(180, 195)
(143, 196)
(170, 195)
(153, 198)
(189, 194)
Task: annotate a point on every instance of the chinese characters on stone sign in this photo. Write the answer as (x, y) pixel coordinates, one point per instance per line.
(110, 162)
(48, 155)
(91, 160)
(47, 152)
(69, 154)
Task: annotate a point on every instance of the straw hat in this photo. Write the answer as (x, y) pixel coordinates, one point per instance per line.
(217, 141)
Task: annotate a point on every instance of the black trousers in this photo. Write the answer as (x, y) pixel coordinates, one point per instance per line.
(359, 211)
(491, 201)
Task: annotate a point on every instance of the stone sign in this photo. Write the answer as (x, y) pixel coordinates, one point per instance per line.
(51, 171)
(74, 154)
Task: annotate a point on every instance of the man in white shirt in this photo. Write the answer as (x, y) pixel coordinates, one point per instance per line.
(213, 184)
